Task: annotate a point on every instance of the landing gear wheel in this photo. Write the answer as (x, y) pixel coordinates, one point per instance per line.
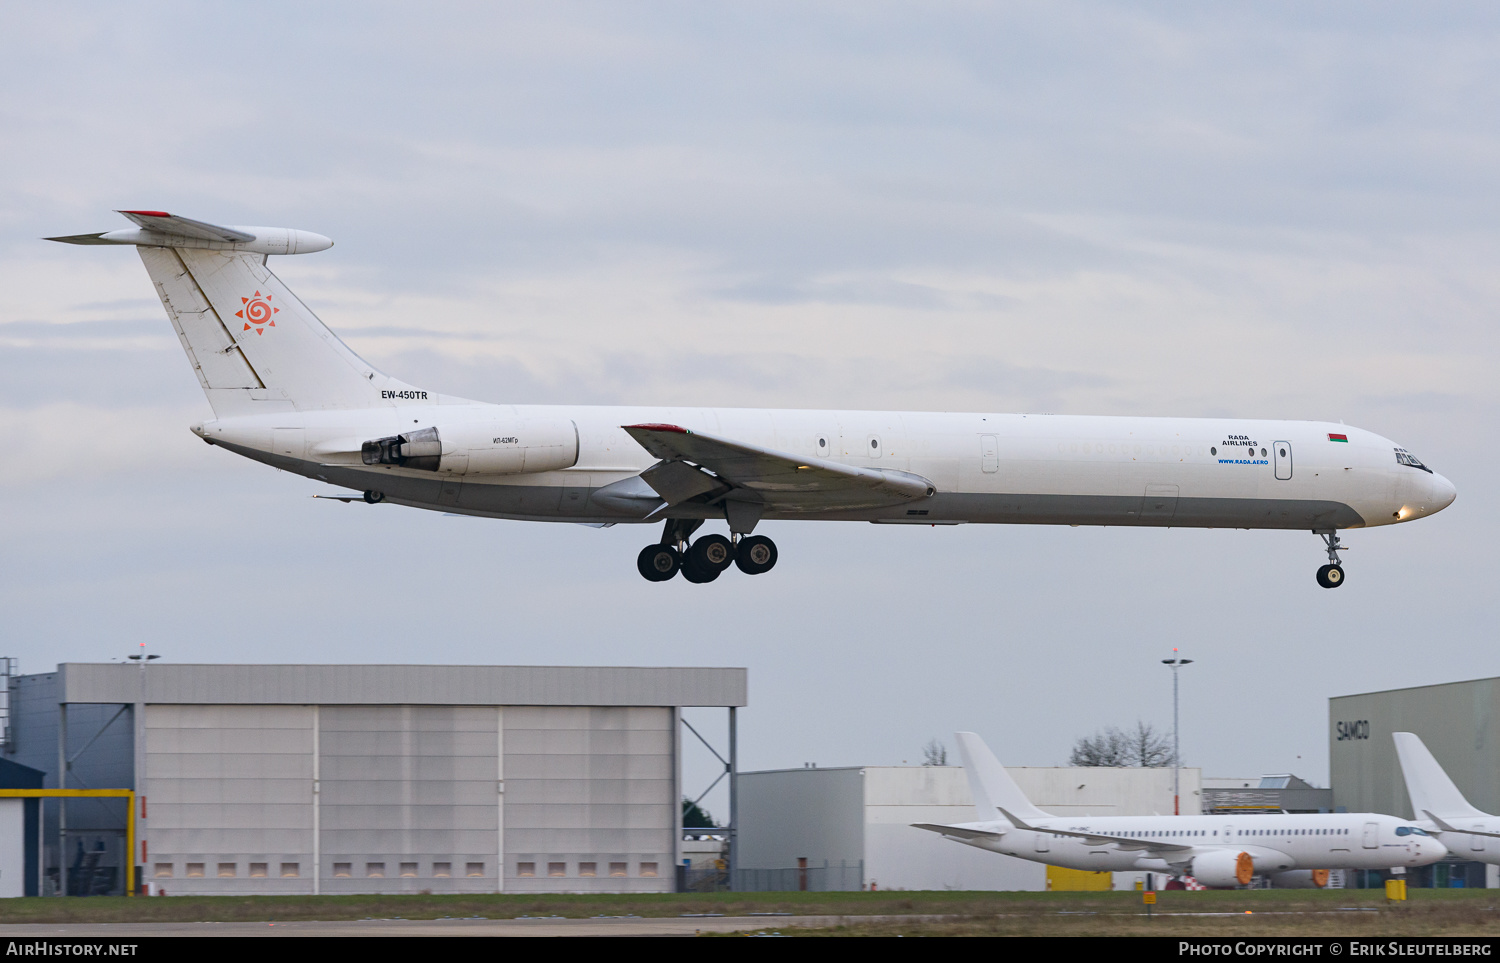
(658, 563)
(374, 498)
(711, 553)
(1331, 576)
(755, 554)
(695, 573)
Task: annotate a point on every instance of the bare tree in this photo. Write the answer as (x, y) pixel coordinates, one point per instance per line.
(1142, 746)
(934, 754)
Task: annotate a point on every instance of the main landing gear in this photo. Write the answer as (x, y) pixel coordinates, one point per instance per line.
(1332, 574)
(705, 558)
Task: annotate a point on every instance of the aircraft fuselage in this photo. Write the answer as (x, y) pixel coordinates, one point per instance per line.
(985, 468)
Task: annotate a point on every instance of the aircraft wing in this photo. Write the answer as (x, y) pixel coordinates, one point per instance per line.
(703, 467)
(1099, 839)
(958, 831)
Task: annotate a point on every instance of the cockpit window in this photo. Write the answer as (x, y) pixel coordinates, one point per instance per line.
(1404, 457)
(1410, 831)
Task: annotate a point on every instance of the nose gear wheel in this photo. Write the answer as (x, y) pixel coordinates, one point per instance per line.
(1332, 574)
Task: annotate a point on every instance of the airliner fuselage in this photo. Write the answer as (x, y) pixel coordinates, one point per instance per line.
(1039, 469)
(287, 392)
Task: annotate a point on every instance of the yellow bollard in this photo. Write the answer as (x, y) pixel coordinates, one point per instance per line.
(1395, 889)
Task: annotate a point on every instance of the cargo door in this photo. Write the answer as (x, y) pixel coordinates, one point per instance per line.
(1160, 503)
(1281, 457)
(449, 490)
(989, 447)
(288, 442)
(575, 500)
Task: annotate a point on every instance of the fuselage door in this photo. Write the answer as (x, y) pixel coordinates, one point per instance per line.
(1043, 843)
(1160, 503)
(1371, 839)
(1281, 455)
(990, 447)
(1476, 843)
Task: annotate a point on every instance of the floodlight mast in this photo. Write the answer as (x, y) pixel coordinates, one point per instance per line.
(1176, 663)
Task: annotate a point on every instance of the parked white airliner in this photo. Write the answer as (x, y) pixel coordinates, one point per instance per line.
(1292, 849)
(287, 392)
(1441, 808)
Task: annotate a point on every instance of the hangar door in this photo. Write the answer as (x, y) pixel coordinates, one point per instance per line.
(308, 799)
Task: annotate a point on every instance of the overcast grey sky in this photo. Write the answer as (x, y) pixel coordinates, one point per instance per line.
(1260, 210)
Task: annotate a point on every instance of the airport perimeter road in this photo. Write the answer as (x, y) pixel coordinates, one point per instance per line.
(553, 926)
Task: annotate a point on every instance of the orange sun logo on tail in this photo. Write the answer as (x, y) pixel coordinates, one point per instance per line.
(257, 313)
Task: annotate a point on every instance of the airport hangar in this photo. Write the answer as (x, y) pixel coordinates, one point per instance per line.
(283, 779)
(1456, 720)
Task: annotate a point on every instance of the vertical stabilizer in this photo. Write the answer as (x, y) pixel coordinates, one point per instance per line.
(990, 784)
(253, 344)
(1427, 785)
(255, 348)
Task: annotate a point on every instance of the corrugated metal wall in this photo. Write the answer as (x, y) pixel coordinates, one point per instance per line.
(589, 790)
(228, 787)
(1457, 721)
(409, 798)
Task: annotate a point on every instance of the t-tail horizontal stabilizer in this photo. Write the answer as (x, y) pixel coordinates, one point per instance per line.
(160, 229)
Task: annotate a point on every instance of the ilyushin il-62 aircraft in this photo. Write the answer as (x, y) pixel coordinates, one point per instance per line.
(287, 392)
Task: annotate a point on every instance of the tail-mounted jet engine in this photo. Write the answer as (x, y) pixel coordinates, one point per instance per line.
(422, 450)
(531, 446)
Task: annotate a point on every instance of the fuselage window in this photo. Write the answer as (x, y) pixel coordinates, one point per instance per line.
(1213, 451)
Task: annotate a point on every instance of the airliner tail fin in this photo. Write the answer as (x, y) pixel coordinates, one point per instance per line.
(1428, 786)
(255, 347)
(992, 787)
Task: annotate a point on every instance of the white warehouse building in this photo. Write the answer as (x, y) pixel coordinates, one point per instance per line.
(364, 778)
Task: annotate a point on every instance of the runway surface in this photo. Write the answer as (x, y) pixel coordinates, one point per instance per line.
(543, 926)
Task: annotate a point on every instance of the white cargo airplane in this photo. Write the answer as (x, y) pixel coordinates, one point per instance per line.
(287, 392)
(1292, 849)
(1441, 808)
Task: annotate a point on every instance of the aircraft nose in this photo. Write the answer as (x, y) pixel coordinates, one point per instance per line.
(1443, 492)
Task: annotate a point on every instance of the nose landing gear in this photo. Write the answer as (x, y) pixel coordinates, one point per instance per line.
(1332, 574)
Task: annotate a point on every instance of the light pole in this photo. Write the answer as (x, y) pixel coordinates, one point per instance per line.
(143, 658)
(1176, 663)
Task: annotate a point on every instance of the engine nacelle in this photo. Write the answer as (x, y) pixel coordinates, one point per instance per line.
(1223, 868)
(1299, 879)
(525, 447)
